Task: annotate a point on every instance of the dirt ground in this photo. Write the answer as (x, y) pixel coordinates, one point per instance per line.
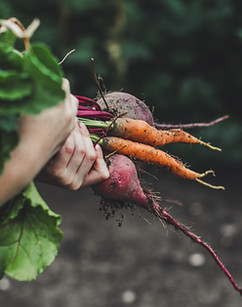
(141, 264)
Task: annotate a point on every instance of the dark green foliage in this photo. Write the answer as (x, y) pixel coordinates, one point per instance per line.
(30, 81)
(29, 236)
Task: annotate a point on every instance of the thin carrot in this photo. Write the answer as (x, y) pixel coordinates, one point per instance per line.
(149, 154)
(140, 131)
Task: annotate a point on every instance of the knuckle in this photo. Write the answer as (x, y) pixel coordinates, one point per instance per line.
(74, 186)
(81, 151)
(66, 182)
(69, 149)
(58, 172)
(91, 156)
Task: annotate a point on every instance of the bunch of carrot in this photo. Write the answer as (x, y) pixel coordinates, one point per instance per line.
(137, 139)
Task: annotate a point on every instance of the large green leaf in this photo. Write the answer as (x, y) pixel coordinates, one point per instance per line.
(13, 86)
(30, 82)
(9, 137)
(46, 74)
(10, 58)
(29, 236)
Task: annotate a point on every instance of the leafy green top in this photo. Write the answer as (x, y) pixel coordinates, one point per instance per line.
(30, 81)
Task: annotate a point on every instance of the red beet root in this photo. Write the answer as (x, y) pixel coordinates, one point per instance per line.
(123, 183)
(119, 103)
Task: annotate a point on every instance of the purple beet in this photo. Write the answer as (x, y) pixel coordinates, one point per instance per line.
(120, 102)
(123, 183)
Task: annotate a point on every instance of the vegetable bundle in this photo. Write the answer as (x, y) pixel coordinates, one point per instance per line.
(138, 139)
(126, 138)
(30, 81)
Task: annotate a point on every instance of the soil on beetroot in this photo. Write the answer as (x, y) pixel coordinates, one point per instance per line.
(141, 263)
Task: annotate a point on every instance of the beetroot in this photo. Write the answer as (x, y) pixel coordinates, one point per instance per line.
(123, 184)
(120, 102)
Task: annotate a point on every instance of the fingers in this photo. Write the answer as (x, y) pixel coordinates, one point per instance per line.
(85, 150)
(99, 171)
(92, 167)
(78, 163)
(56, 168)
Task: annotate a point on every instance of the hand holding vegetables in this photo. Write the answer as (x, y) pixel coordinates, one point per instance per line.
(34, 148)
(72, 159)
(77, 164)
(37, 116)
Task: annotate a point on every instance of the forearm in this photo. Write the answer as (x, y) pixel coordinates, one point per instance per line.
(25, 163)
(35, 148)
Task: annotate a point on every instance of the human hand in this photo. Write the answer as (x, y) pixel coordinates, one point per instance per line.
(41, 136)
(77, 164)
(48, 130)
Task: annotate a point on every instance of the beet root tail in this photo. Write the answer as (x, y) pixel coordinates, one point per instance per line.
(163, 215)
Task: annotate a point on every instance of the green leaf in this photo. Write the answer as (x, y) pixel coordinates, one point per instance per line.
(29, 82)
(42, 65)
(10, 58)
(29, 236)
(43, 68)
(9, 137)
(13, 86)
(8, 38)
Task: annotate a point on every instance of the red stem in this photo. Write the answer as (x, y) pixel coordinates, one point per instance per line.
(93, 114)
(165, 216)
(88, 101)
(191, 125)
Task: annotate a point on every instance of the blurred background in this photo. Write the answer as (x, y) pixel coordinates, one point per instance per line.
(184, 59)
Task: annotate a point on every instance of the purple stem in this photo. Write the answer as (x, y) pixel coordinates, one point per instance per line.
(88, 101)
(95, 130)
(191, 125)
(165, 216)
(93, 114)
(80, 107)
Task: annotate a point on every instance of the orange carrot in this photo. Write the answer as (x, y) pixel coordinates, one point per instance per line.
(140, 131)
(152, 155)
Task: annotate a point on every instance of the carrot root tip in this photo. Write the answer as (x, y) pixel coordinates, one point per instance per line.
(114, 152)
(210, 146)
(206, 173)
(219, 187)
